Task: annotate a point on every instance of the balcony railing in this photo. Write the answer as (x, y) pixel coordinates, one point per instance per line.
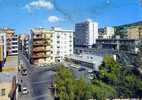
(39, 49)
(38, 56)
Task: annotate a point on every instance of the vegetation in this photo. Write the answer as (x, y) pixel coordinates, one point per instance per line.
(139, 58)
(120, 78)
(113, 81)
(68, 88)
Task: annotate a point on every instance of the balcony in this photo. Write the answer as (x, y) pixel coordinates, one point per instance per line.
(39, 43)
(39, 49)
(37, 56)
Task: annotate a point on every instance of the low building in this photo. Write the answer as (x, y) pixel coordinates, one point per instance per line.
(130, 31)
(117, 44)
(85, 60)
(7, 90)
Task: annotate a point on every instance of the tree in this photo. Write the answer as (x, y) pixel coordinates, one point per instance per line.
(102, 91)
(68, 88)
(64, 80)
(120, 78)
(84, 91)
(139, 58)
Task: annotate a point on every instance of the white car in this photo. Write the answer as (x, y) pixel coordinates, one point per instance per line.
(25, 91)
(90, 71)
(74, 66)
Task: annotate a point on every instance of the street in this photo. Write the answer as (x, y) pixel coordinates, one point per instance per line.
(37, 81)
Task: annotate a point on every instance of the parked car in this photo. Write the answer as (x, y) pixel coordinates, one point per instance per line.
(74, 66)
(81, 69)
(25, 91)
(90, 71)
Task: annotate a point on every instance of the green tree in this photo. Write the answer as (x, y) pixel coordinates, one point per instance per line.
(120, 78)
(68, 88)
(65, 83)
(103, 91)
(139, 58)
(84, 91)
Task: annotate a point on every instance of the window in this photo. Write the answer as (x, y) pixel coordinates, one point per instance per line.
(3, 92)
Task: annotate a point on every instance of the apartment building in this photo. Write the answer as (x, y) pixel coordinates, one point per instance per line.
(3, 48)
(106, 32)
(41, 50)
(62, 43)
(9, 36)
(14, 45)
(7, 86)
(130, 31)
(12, 41)
(50, 46)
(86, 33)
(23, 43)
(135, 32)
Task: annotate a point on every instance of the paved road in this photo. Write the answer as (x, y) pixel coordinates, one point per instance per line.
(37, 81)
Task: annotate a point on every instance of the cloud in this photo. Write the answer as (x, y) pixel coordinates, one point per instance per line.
(53, 19)
(39, 4)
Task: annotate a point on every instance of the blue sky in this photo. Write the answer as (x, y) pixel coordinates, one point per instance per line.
(22, 15)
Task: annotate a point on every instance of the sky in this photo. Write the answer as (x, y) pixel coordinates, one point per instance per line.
(23, 15)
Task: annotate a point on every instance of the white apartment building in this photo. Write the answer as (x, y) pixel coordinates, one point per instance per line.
(62, 43)
(86, 33)
(50, 46)
(106, 32)
(14, 45)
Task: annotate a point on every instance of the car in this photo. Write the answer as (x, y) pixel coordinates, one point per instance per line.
(81, 69)
(90, 71)
(91, 77)
(25, 91)
(74, 66)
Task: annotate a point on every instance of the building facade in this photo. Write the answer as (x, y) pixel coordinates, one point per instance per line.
(23, 44)
(63, 43)
(86, 33)
(130, 31)
(14, 45)
(3, 49)
(106, 32)
(85, 60)
(50, 46)
(12, 41)
(41, 50)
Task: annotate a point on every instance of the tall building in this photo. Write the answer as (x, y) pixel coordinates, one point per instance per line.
(3, 49)
(106, 32)
(12, 39)
(63, 43)
(41, 50)
(14, 45)
(86, 33)
(50, 46)
(23, 43)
